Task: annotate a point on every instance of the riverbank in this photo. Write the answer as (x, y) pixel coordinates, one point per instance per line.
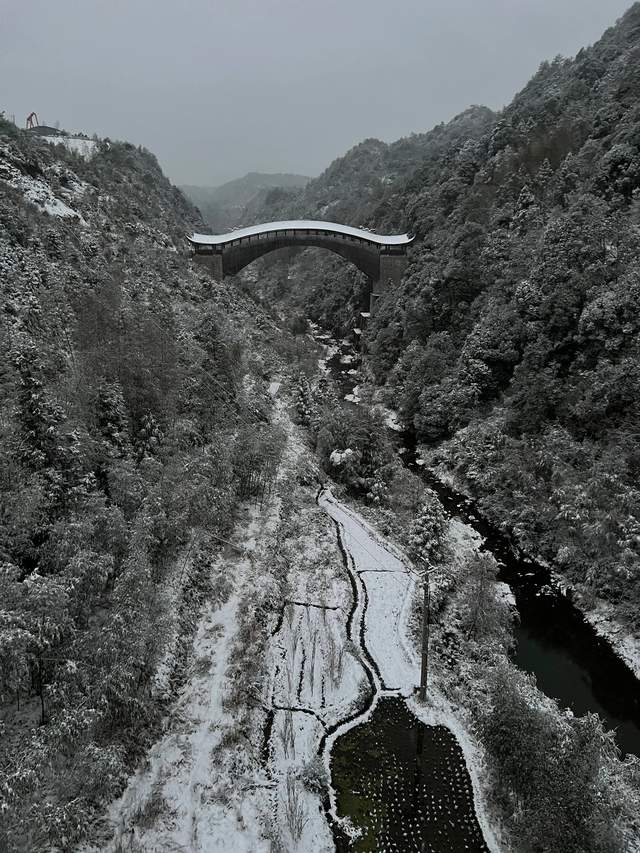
(604, 680)
(600, 614)
(465, 672)
(480, 678)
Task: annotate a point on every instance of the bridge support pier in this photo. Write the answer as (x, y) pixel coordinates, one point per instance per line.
(392, 268)
(212, 263)
(217, 267)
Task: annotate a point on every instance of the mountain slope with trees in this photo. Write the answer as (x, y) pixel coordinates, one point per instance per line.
(134, 416)
(511, 347)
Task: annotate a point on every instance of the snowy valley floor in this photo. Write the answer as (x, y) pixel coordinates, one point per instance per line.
(292, 652)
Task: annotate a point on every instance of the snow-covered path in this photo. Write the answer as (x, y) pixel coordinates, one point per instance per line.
(338, 644)
(383, 584)
(387, 582)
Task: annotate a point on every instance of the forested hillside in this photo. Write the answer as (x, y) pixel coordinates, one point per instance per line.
(511, 347)
(134, 415)
(369, 177)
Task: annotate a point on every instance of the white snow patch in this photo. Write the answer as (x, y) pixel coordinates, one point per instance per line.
(179, 773)
(391, 419)
(337, 457)
(503, 593)
(464, 537)
(85, 147)
(624, 644)
(389, 582)
(330, 351)
(189, 794)
(354, 396)
(37, 192)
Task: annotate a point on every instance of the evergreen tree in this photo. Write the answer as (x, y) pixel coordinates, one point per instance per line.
(426, 536)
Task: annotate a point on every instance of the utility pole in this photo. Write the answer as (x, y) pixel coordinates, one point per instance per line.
(424, 669)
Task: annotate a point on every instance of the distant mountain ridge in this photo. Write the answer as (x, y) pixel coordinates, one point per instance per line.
(227, 205)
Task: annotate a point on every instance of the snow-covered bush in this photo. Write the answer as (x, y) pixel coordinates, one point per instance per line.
(314, 776)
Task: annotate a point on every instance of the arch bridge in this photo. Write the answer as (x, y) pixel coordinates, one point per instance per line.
(381, 258)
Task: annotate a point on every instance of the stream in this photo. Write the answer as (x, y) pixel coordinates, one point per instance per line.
(554, 642)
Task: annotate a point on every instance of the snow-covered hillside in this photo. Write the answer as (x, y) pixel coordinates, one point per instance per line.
(82, 146)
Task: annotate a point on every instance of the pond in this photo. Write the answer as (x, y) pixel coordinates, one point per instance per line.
(405, 785)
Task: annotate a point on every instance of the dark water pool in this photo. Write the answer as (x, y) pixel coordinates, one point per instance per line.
(405, 785)
(579, 671)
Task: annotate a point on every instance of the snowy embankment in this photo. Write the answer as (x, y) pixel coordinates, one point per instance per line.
(226, 774)
(602, 618)
(84, 147)
(189, 795)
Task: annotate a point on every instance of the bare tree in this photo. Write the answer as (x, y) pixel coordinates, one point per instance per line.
(294, 808)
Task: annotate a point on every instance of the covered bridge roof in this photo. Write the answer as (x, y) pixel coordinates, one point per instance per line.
(301, 225)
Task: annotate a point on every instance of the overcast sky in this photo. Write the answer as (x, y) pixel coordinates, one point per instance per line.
(216, 88)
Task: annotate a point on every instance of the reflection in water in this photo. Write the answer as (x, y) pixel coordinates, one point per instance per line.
(554, 641)
(404, 785)
(582, 674)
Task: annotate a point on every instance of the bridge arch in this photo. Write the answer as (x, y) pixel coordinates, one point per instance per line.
(382, 258)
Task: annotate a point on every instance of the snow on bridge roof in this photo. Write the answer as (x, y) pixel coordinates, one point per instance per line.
(301, 225)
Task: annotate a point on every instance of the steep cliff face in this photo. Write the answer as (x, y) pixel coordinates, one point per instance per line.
(514, 336)
(134, 403)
